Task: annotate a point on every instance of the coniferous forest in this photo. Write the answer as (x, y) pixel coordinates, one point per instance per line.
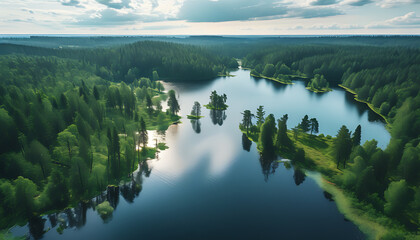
(75, 120)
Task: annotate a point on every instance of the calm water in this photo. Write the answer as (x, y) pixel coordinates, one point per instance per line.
(207, 185)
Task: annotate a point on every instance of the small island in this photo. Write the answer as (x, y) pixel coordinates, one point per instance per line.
(217, 102)
(195, 112)
(318, 84)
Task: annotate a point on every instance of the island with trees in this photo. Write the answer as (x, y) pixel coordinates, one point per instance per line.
(217, 102)
(195, 111)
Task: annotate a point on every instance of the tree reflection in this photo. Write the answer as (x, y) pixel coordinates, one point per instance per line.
(36, 227)
(144, 168)
(299, 176)
(113, 196)
(196, 125)
(218, 116)
(268, 164)
(328, 196)
(246, 143)
(131, 190)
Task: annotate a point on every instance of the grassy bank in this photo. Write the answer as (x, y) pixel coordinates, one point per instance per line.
(319, 157)
(194, 117)
(211, 107)
(282, 81)
(323, 90)
(370, 105)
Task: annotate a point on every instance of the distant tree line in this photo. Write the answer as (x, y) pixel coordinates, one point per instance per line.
(132, 61)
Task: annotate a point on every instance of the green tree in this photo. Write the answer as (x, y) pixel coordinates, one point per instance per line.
(196, 109)
(342, 146)
(67, 145)
(38, 154)
(409, 166)
(155, 76)
(96, 93)
(266, 138)
(247, 119)
(269, 70)
(149, 103)
(25, 191)
(305, 124)
(159, 86)
(143, 135)
(260, 116)
(7, 198)
(314, 126)
(173, 103)
(56, 192)
(397, 197)
(282, 140)
(357, 136)
(117, 153)
(9, 139)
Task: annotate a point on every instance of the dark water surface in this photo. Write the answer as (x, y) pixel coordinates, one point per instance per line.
(207, 185)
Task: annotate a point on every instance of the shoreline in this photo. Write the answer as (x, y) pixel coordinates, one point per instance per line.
(370, 105)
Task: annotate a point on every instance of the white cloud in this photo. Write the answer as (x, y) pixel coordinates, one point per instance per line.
(395, 3)
(409, 20)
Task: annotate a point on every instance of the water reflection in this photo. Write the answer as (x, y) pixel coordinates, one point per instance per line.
(131, 190)
(36, 227)
(196, 125)
(328, 196)
(268, 164)
(299, 176)
(246, 143)
(113, 196)
(76, 217)
(218, 116)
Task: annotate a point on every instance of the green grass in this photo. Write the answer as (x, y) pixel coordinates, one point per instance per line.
(211, 107)
(322, 90)
(162, 146)
(282, 81)
(194, 117)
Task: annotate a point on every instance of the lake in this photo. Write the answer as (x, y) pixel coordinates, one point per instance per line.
(210, 184)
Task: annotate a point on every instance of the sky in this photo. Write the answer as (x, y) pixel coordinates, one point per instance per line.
(210, 17)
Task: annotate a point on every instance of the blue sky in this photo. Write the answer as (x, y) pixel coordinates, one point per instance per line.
(196, 17)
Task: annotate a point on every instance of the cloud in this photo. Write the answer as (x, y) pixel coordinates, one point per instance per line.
(27, 10)
(313, 12)
(162, 27)
(323, 2)
(327, 27)
(395, 3)
(73, 3)
(228, 10)
(359, 2)
(246, 10)
(106, 17)
(409, 20)
(115, 4)
(336, 27)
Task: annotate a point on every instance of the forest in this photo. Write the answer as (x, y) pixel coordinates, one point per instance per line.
(129, 62)
(383, 182)
(68, 133)
(75, 120)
